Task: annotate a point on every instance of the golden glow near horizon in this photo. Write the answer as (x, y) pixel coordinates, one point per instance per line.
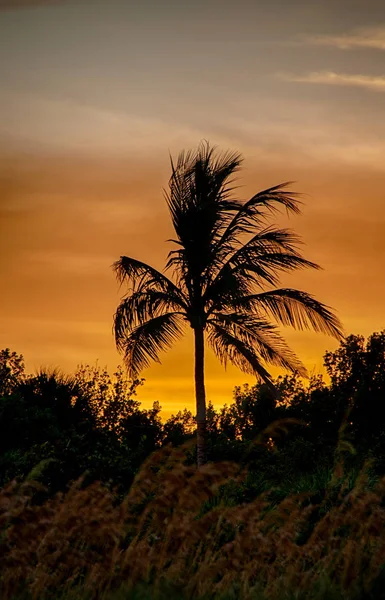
(94, 96)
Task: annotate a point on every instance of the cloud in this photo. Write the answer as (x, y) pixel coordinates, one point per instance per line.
(84, 127)
(362, 38)
(331, 78)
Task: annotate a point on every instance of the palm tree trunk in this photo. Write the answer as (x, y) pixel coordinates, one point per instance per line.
(200, 395)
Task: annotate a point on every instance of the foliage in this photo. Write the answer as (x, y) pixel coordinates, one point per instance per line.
(112, 399)
(357, 374)
(291, 506)
(168, 533)
(92, 422)
(11, 370)
(70, 421)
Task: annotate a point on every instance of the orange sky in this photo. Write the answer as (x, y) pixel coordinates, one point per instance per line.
(94, 96)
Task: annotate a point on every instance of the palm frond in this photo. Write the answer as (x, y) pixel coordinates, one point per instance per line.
(261, 336)
(143, 277)
(254, 212)
(266, 239)
(297, 309)
(228, 347)
(139, 307)
(266, 268)
(260, 260)
(226, 292)
(199, 200)
(142, 345)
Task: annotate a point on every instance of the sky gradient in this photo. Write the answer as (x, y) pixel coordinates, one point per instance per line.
(94, 96)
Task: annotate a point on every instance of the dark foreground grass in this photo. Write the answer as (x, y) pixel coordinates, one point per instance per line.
(323, 590)
(182, 533)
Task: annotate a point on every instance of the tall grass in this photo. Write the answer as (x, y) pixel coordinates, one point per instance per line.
(185, 533)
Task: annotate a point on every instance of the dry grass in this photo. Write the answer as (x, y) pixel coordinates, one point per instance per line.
(159, 534)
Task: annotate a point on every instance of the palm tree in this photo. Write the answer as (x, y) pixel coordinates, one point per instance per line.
(226, 267)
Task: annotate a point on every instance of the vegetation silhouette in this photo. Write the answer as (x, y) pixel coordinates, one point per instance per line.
(273, 516)
(226, 268)
(93, 423)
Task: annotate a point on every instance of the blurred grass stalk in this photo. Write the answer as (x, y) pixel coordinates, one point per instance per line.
(183, 533)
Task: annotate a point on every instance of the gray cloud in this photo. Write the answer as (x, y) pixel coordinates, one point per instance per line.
(372, 37)
(370, 82)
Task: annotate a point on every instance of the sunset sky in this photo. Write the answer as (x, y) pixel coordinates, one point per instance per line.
(96, 93)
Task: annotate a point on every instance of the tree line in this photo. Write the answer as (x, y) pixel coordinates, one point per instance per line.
(55, 428)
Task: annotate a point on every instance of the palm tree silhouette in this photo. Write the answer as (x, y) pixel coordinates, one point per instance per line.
(225, 266)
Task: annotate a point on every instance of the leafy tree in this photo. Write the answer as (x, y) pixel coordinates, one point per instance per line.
(226, 267)
(11, 370)
(179, 427)
(112, 399)
(115, 409)
(44, 417)
(357, 373)
(253, 409)
(141, 432)
(56, 427)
